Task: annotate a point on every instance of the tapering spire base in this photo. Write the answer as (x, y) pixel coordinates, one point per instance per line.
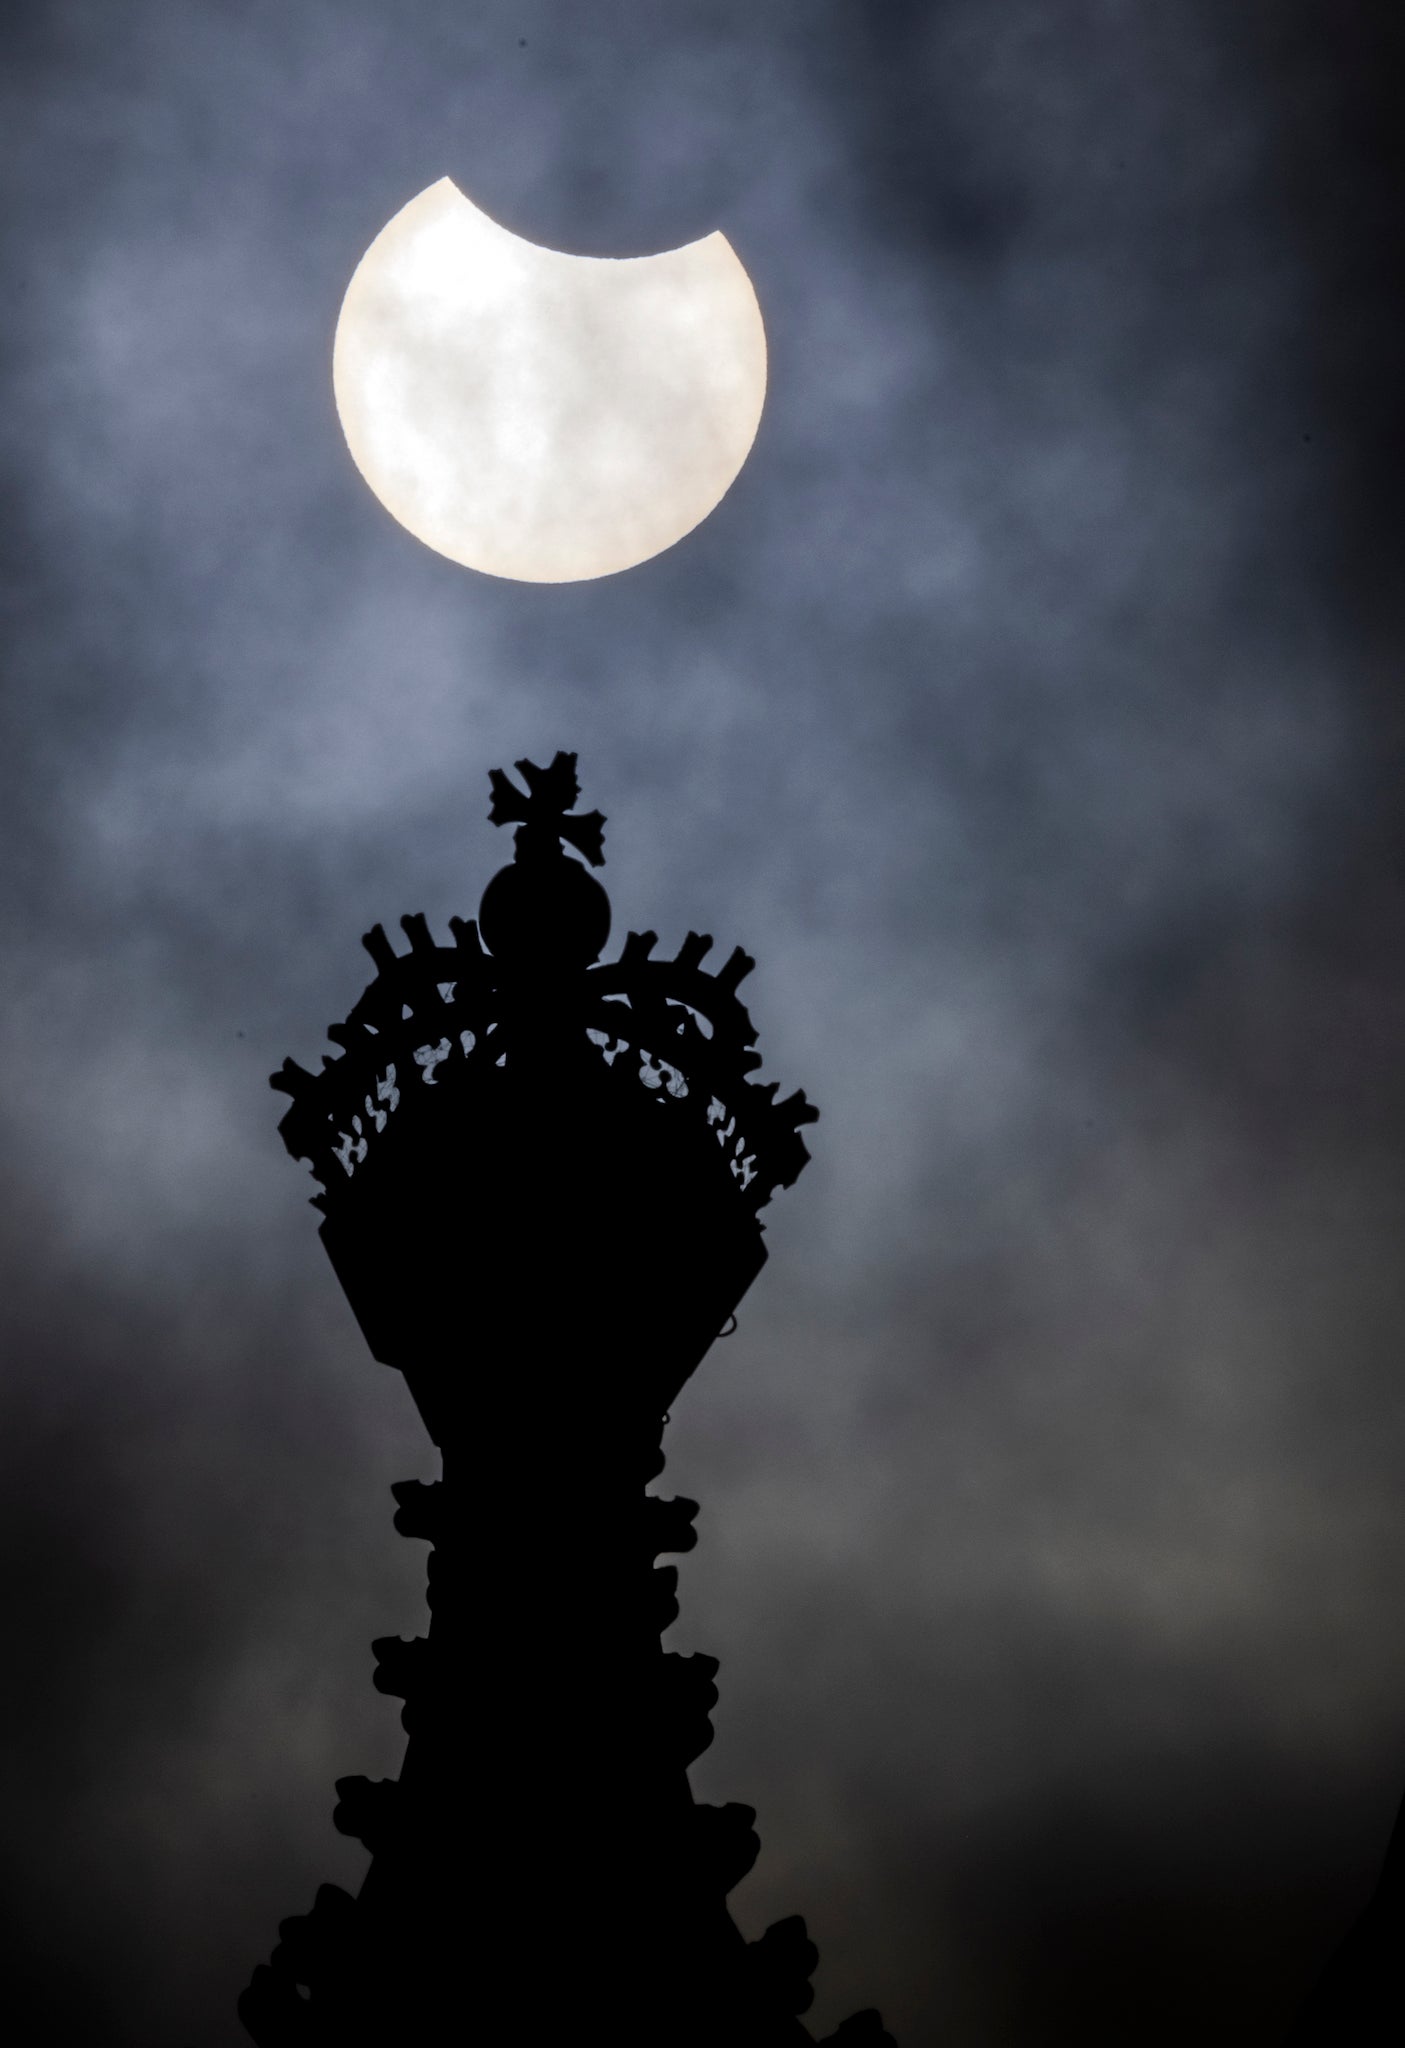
(541, 1856)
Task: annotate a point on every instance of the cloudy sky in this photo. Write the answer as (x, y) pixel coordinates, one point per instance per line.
(1028, 709)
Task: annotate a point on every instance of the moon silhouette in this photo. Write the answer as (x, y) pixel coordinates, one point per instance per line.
(538, 415)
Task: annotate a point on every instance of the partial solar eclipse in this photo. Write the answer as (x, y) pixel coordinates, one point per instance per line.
(542, 416)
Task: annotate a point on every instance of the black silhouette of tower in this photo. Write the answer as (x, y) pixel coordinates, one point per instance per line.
(541, 1175)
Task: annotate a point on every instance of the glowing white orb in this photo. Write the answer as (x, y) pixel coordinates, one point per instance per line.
(538, 415)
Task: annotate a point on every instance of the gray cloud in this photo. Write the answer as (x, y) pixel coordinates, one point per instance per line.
(1019, 708)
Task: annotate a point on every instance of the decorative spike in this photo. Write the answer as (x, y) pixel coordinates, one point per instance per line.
(783, 1960)
(271, 2011)
(693, 949)
(377, 1006)
(302, 1129)
(419, 1508)
(557, 786)
(328, 1060)
(465, 931)
(637, 948)
(861, 2030)
(689, 1697)
(400, 1664)
(668, 1525)
(345, 1035)
(587, 834)
(416, 930)
(662, 1603)
(380, 948)
(735, 969)
(368, 1810)
(312, 1944)
(509, 805)
(785, 1164)
(796, 1111)
(726, 1841)
(693, 1676)
(291, 1079)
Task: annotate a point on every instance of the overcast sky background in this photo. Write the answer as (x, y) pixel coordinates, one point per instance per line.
(1028, 708)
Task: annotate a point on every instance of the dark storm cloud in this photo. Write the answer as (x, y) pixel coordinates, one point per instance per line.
(1022, 710)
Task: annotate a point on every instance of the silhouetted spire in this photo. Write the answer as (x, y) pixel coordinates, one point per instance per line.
(540, 1178)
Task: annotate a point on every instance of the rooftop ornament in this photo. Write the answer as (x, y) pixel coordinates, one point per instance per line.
(516, 1065)
(540, 1175)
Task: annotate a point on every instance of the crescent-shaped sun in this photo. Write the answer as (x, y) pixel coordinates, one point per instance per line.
(543, 416)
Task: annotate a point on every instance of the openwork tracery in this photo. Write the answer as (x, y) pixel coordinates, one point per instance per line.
(439, 1017)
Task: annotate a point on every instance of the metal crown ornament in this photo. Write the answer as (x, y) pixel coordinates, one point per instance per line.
(515, 1077)
(540, 1180)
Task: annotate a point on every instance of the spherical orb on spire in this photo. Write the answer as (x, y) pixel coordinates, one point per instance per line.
(549, 910)
(545, 908)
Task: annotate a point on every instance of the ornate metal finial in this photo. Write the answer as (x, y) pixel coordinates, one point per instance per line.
(448, 1018)
(544, 912)
(541, 811)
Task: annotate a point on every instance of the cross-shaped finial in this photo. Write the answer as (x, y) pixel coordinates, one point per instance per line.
(542, 809)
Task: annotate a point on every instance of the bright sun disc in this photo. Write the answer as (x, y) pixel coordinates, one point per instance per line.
(543, 416)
